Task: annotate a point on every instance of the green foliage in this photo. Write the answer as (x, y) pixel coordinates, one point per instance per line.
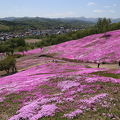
(105, 74)
(9, 63)
(16, 42)
(23, 24)
(22, 49)
(9, 47)
(56, 39)
(3, 28)
(8, 26)
(115, 26)
(103, 25)
(18, 55)
(5, 48)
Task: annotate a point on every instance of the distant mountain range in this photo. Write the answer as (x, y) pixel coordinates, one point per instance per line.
(93, 20)
(68, 19)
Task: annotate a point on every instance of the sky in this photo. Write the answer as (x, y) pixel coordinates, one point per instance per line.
(60, 8)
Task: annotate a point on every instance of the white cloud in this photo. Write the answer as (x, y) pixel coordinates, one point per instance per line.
(98, 11)
(91, 3)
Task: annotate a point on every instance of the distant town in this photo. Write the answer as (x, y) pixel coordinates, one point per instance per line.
(35, 32)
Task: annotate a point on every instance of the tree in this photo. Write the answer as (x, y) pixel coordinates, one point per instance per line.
(9, 63)
(6, 49)
(103, 25)
(13, 44)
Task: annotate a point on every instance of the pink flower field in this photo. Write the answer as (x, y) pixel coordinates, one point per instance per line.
(54, 88)
(65, 90)
(91, 48)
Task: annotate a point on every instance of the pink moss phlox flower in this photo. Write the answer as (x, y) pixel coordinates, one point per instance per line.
(94, 99)
(46, 110)
(73, 114)
(27, 111)
(2, 99)
(115, 71)
(34, 110)
(102, 79)
(65, 85)
(69, 99)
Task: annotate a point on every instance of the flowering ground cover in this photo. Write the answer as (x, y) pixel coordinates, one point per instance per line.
(52, 89)
(59, 91)
(92, 48)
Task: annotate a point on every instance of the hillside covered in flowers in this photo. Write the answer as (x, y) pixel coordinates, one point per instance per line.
(52, 87)
(92, 48)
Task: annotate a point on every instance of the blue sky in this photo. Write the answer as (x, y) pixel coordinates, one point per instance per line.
(60, 8)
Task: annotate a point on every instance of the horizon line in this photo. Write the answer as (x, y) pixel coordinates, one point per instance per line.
(56, 17)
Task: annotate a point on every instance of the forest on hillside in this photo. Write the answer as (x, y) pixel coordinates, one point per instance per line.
(20, 24)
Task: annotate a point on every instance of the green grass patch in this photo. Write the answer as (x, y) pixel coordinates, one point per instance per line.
(105, 74)
(50, 89)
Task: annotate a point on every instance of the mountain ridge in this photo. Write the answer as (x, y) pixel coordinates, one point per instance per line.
(85, 19)
(42, 23)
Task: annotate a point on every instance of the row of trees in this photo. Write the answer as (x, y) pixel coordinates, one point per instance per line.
(10, 46)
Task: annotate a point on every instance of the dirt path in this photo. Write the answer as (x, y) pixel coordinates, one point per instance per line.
(109, 66)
